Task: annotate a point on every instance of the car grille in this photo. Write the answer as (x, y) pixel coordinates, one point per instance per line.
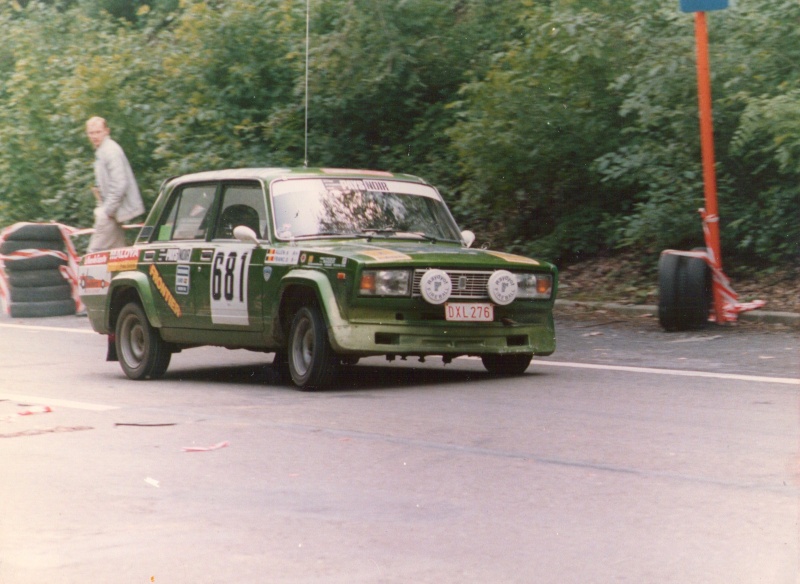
(466, 284)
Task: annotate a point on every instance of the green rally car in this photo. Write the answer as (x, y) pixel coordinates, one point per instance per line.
(320, 267)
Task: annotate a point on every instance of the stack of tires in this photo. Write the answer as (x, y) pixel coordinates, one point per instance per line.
(684, 292)
(35, 284)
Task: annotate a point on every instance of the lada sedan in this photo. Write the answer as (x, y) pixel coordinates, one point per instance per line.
(320, 267)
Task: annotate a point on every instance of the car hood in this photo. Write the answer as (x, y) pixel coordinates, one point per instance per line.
(422, 254)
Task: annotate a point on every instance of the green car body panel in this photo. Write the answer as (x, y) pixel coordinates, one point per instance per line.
(228, 258)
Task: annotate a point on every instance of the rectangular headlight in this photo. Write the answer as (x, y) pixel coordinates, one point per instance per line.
(385, 283)
(538, 286)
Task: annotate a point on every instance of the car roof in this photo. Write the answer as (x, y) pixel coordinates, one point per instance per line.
(269, 174)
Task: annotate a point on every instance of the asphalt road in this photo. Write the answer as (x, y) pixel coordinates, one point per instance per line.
(630, 455)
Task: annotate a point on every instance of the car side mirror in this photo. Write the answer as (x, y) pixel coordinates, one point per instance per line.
(468, 237)
(244, 234)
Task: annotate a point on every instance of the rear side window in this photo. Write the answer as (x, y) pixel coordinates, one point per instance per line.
(189, 215)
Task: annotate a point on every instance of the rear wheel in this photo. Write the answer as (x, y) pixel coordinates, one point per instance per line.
(312, 361)
(141, 351)
(514, 364)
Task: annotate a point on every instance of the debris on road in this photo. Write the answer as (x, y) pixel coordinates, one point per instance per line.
(35, 410)
(205, 448)
(144, 425)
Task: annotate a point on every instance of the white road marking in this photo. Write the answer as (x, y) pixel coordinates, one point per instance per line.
(53, 402)
(47, 328)
(675, 372)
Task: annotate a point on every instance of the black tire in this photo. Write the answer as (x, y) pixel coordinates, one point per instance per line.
(312, 361)
(44, 262)
(62, 291)
(35, 278)
(41, 309)
(8, 247)
(695, 290)
(669, 315)
(35, 231)
(513, 364)
(684, 292)
(141, 351)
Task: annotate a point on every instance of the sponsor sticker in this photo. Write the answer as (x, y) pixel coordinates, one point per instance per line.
(436, 286)
(385, 255)
(182, 276)
(174, 255)
(510, 257)
(126, 258)
(282, 256)
(325, 261)
(93, 276)
(164, 290)
(93, 280)
(502, 287)
(94, 259)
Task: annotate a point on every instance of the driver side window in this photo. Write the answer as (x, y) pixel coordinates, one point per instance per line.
(242, 204)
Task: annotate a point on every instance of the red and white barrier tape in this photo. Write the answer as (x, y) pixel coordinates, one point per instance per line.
(68, 272)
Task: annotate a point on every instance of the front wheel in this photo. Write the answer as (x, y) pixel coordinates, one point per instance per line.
(513, 364)
(312, 361)
(141, 351)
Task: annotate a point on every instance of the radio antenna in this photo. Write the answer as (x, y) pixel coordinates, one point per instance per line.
(308, 19)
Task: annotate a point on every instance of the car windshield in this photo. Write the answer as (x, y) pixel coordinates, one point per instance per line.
(360, 208)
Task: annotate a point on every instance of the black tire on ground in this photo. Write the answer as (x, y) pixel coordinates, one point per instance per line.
(695, 290)
(17, 244)
(513, 364)
(36, 231)
(684, 292)
(41, 309)
(61, 291)
(669, 313)
(35, 278)
(312, 361)
(44, 262)
(141, 351)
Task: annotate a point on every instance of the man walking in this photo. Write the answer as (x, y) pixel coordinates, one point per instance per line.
(116, 191)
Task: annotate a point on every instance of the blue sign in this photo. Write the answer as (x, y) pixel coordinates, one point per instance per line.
(703, 5)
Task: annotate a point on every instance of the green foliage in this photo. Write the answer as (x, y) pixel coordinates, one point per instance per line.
(530, 129)
(562, 128)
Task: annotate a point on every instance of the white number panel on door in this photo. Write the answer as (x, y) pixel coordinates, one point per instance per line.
(229, 270)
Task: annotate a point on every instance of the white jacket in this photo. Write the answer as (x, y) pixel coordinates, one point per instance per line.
(118, 189)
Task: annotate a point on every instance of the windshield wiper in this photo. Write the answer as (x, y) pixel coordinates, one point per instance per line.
(370, 233)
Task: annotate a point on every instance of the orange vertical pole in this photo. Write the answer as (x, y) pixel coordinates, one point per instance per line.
(707, 151)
